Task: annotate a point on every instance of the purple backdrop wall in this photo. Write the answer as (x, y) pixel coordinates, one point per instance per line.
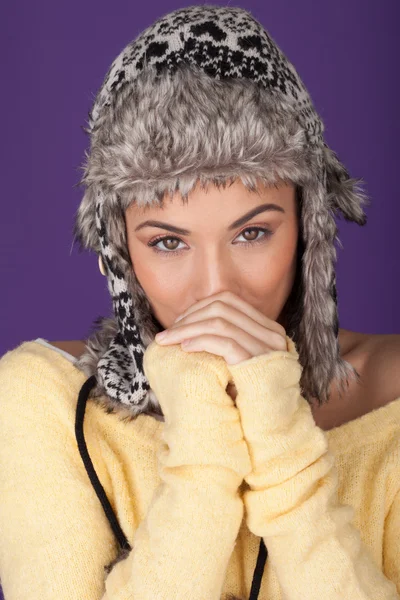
(55, 56)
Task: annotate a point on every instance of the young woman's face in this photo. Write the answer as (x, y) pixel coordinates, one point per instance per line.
(216, 253)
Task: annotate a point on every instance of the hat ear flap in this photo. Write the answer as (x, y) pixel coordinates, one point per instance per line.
(344, 193)
(318, 329)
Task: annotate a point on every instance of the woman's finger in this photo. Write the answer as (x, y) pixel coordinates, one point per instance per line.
(230, 299)
(229, 349)
(222, 314)
(221, 328)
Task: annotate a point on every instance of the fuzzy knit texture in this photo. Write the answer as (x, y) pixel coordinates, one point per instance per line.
(193, 493)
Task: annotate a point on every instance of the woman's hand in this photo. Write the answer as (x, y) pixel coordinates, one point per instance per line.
(227, 326)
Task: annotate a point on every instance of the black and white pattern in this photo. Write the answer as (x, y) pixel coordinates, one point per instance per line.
(124, 355)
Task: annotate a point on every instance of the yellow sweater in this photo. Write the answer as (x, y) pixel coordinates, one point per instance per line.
(326, 503)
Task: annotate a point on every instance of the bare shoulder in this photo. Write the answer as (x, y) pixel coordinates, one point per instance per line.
(74, 347)
(382, 367)
(376, 357)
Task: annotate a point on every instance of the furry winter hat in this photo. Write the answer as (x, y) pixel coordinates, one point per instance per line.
(205, 95)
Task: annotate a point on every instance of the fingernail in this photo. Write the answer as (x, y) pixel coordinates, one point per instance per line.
(161, 335)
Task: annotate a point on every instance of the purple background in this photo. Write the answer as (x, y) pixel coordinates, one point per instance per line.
(54, 58)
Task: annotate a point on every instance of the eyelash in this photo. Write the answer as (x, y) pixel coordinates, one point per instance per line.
(268, 233)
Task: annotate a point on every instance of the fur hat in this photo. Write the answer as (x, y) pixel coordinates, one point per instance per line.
(205, 95)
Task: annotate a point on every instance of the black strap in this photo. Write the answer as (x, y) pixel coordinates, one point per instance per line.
(119, 534)
(258, 571)
(80, 415)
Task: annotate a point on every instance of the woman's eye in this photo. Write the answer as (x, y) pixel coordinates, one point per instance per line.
(171, 243)
(252, 233)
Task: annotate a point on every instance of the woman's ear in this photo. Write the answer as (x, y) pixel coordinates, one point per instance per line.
(101, 266)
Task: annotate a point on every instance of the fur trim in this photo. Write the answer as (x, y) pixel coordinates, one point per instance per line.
(250, 134)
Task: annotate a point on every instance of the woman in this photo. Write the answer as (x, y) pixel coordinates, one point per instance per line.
(261, 459)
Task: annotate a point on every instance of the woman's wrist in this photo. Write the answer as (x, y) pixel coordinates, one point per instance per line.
(202, 424)
(204, 429)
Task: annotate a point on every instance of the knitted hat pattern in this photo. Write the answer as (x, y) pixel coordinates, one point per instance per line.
(204, 95)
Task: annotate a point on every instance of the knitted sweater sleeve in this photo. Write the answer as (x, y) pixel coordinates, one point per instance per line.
(182, 548)
(292, 498)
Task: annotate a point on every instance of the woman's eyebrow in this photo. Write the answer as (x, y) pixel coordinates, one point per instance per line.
(241, 221)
